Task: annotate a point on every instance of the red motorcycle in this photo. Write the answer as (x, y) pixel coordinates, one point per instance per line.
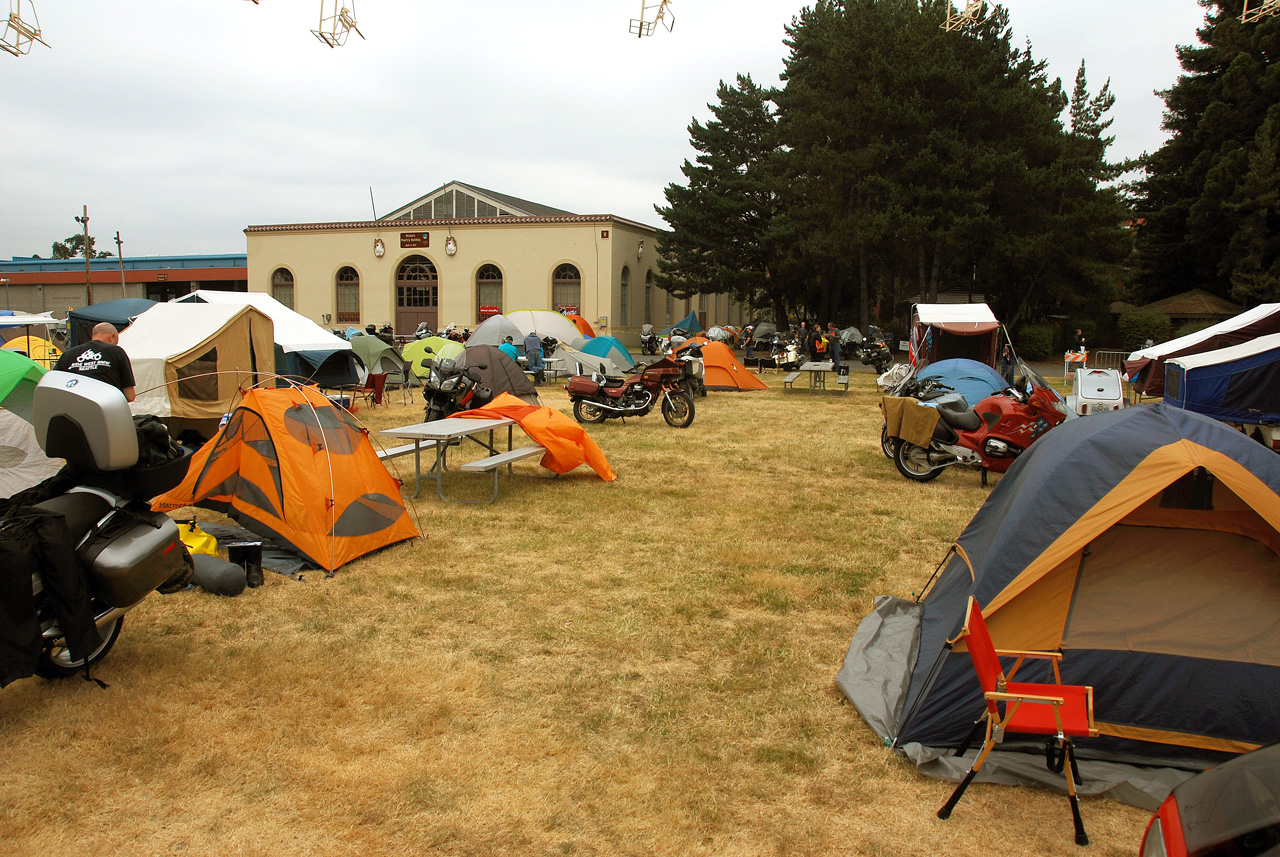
(989, 435)
(597, 397)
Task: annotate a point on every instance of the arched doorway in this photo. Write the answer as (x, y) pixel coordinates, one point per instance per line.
(417, 295)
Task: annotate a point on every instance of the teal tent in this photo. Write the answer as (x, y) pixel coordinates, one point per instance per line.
(609, 346)
(689, 323)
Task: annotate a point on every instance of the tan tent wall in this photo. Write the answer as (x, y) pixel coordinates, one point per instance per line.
(247, 340)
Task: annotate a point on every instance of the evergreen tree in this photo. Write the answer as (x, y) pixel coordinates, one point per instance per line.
(716, 242)
(1207, 200)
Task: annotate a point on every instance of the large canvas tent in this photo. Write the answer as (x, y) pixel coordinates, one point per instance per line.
(292, 466)
(190, 361)
(1145, 367)
(303, 349)
(942, 331)
(1143, 544)
(119, 312)
(1240, 384)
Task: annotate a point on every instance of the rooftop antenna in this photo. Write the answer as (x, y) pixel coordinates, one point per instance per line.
(973, 13)
(379, 246)
(651, 15)
(20, 33)
(1257, 9)
(335, 27)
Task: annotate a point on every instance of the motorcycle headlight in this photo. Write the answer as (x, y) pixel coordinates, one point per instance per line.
(450, 385)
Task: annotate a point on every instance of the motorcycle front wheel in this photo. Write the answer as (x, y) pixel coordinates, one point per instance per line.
(58, 663)
(913, 462)
(585, 411)
(677, 409)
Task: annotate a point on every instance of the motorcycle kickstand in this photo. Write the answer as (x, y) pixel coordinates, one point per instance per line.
(984, 477)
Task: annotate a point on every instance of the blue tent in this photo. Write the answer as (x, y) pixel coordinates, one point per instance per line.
(121, 312)
(971, 379)
(610, 347)
(689, 322)
(1240, 384)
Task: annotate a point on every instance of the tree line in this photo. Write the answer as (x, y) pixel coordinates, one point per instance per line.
(898, 159)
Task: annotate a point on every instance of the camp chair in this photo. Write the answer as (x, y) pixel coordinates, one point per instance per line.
(371, 390)
(1059, 710)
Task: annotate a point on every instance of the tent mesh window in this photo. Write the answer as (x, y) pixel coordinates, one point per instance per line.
(348, 283)
(488, 289)
(197, 381)
(566, 287)
(282, 286)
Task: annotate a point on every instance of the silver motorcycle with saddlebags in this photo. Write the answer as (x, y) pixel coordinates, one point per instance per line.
(84, 548)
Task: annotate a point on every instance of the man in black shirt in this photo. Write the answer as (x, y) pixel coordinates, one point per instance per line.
(101, 358)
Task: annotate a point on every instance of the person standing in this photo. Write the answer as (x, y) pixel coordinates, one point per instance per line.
(748, 342)
(102, 358)
(1006, 363)
(1080, 344)
(833, 346)
(533, 357)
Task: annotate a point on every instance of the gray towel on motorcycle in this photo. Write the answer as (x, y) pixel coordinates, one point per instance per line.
(906, 418)
(36, 540)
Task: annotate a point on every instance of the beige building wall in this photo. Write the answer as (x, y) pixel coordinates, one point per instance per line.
(527, 250)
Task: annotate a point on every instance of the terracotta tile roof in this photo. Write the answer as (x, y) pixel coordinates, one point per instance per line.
(1196, 303)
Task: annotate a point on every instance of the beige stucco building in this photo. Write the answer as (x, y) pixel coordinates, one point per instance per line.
(461, 253)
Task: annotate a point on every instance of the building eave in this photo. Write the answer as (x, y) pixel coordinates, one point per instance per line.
(420, 225)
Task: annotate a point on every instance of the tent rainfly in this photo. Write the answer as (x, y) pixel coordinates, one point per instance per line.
(1240, 384)
(1145, 367)
(1144, 545)
(292, 466)
(119, 312)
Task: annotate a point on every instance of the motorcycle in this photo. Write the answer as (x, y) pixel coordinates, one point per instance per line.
(989, 435)
(450, 388)
(122, 550)
(648, 340)
(874, 351)
(694, 372)
(924, 390)
(423, 331)
(597, 397)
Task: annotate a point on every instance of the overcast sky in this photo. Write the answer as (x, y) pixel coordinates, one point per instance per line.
(180, 122)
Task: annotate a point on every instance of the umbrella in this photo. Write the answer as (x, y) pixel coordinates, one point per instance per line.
(18, 378)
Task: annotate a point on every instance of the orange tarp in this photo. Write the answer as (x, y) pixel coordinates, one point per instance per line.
(292, 466)
(567, 443)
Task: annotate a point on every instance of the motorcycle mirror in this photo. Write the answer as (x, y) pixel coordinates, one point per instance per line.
(480, 365)
(428, 350)
(603, 371)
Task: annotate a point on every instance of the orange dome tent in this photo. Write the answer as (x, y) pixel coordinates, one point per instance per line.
(293, 467)
(581, 323)
(723, 371)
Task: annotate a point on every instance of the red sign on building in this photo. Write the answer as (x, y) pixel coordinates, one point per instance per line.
(568, 309)
(415, 239)
(489, 311)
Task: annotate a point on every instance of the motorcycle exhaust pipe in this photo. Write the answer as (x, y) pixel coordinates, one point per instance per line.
(620, 410)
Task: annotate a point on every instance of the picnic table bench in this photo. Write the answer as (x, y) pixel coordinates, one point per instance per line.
(788, 381)
(494, 463)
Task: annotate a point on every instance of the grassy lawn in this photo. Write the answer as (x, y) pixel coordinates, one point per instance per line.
(637, 667)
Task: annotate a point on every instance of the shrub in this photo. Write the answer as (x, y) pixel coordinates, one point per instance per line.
(1035, 342)
(1139, 325)
(1191, 327)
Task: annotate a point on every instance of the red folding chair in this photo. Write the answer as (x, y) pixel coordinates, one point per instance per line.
(371, 390)
(1061, 711)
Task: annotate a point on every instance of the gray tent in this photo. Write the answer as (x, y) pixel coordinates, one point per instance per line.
(500, 373)
(493, 330)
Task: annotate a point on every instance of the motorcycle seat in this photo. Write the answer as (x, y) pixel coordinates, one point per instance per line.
(82, 510)
(956, 411)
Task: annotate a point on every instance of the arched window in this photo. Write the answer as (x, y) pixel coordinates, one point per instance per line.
(624, 313)
(566, 289)
(348, 282)
(648, 297)
(282, 286)
(488, 292)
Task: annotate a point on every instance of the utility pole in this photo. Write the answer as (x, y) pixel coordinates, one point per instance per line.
(120, 256)
(88, 275)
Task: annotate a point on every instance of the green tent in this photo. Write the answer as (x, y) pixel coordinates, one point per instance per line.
(18, 378)
(419, 359)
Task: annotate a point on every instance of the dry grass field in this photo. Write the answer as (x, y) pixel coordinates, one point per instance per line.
(642, 667)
